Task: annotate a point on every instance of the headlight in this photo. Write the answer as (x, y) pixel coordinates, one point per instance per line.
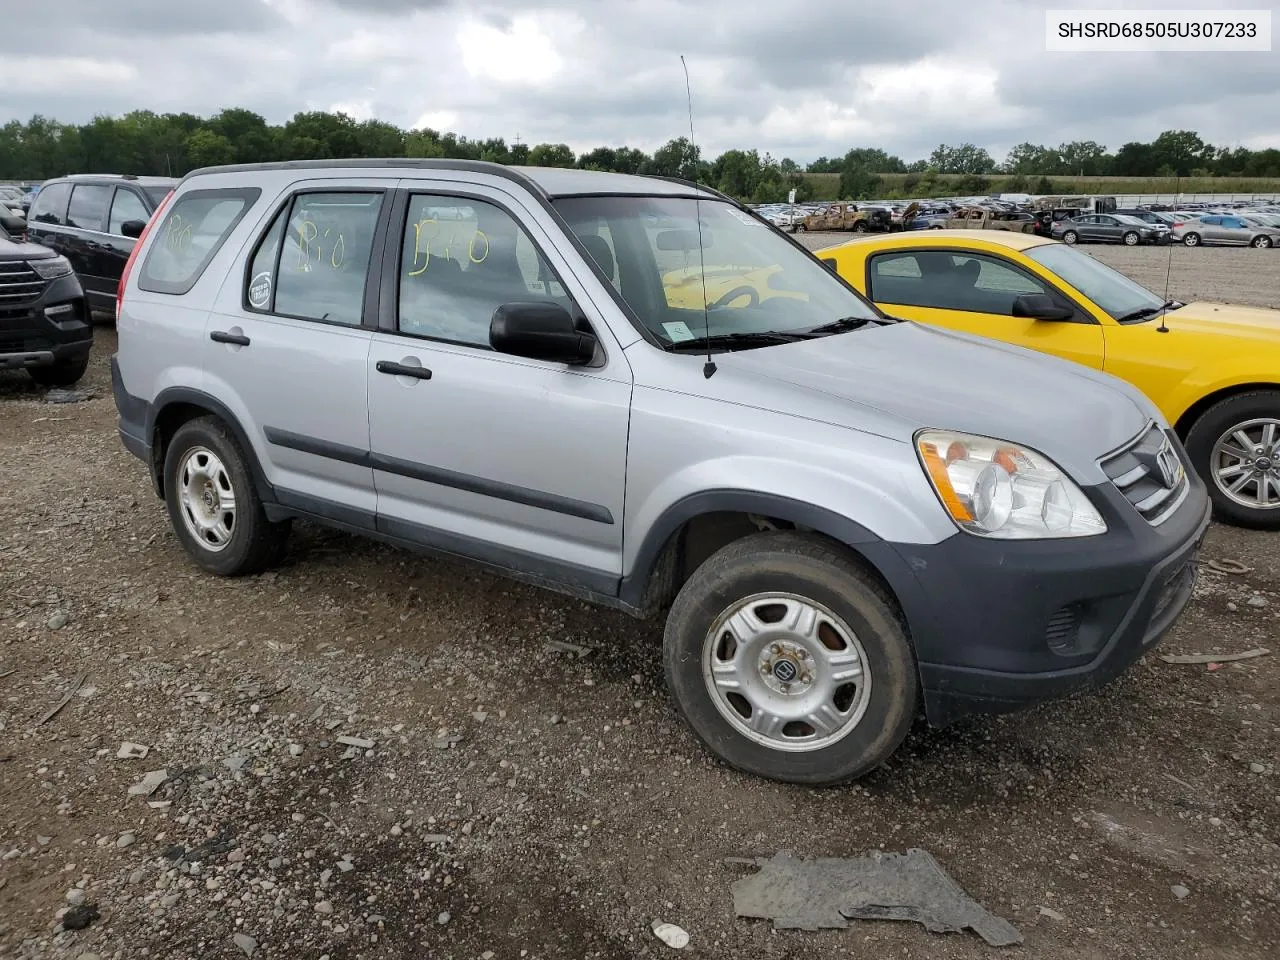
(51, 268)
(1004, 491)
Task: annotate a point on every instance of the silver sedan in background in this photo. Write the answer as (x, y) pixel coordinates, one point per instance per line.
(1240, 231)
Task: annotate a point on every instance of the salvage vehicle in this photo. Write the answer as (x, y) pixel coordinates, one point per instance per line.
(984, 218)
(44, 322)
(1213, 369)
(844, 216)
(844, 516)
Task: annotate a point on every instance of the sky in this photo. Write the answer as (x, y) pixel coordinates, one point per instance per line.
(799, 79)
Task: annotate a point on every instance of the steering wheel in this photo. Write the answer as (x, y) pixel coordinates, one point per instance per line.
(734, 294)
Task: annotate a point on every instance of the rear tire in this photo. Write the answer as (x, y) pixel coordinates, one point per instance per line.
(213, 504)
(1071, 237)
(863, 698)
(65, 373)
(1131, 239)
(1210, 445)
(1191, 239)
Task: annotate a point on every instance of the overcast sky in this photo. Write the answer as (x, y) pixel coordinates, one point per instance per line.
(799, 78)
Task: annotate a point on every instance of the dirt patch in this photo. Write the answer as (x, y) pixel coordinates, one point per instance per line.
(530, 802)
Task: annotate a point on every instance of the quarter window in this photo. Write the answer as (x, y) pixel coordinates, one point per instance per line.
(192, 231)
(88, 208)
(951, 281)
(313, 262)
(460, 260)
(126, 206)
(50, 205)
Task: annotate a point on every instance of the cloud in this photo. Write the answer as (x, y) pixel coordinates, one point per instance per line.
(800, 79)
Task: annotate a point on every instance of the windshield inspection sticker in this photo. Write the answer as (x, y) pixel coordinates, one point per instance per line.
(260, 290)
(746, 218)
(678, 331)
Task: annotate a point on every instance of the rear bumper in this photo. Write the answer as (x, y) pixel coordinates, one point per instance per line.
(1002, 625)
(133, 416)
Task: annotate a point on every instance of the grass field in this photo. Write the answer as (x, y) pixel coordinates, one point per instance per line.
(827, 185)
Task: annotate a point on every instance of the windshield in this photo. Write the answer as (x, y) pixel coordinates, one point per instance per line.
(1112, 291)
(757, 281)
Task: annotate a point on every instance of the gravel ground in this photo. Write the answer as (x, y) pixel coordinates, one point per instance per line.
(504, 797)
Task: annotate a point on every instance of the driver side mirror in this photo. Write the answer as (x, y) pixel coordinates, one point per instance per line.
(133, 228)
(540, 330)
(1040, 306)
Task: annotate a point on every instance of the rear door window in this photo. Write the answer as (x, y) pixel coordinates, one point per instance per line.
(50, 205)
(88, 209)
(193, 229)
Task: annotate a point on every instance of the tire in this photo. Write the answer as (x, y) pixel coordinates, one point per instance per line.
(65, 373)
(1071, 237)
(1131, 238)
(799, 228)
(861, 227)
(1262, 242)
(1250, 413)
(1191, 239)
(249, 542)
(782, 571)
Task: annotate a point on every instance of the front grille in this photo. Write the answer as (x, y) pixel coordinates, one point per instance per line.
(1150, 474)
(19, 284)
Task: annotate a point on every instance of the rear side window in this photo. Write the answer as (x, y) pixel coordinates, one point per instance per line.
(88, 209)
(191, 232)
(50, 205)
(313, 262)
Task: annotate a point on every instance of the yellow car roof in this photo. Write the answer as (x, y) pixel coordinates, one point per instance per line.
(942, 238)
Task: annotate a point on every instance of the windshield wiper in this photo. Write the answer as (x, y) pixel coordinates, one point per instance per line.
(843, 324)
(758, 338)
(1142, 313)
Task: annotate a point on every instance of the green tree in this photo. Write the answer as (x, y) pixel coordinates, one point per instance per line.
(208, 149)
(552, 155)
(966, 158)
(676, 158)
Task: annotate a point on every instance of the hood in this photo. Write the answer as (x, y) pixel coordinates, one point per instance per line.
(896, 379)
(13, 250)
(1226, 320)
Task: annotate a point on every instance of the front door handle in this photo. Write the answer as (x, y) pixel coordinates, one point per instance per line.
(221, 336)
(402, 370)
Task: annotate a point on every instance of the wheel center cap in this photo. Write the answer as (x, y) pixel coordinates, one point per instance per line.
(785, 670)
(1262, 464)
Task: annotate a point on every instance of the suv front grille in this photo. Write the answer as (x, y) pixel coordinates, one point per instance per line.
(19, 284)
(1150, 474)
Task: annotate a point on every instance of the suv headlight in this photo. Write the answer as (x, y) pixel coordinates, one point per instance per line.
(51, 268)
(1004, 491)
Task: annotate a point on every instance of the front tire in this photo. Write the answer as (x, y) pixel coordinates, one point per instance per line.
(65, 373)
(861, 227)
(790, 661)
(1262, 242)
(1235, 447)
(213, 504)
(1071, 237)
(1191, 240)
(1130, 239)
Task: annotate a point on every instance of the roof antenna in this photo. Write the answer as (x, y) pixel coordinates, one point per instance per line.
(709, 367)
(1168, 273)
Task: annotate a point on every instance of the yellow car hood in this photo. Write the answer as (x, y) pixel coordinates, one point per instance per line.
(1227, 320)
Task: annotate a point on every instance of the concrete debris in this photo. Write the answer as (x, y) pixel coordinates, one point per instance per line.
(445, 742)
(245, 942)
(1213, 657)
(358, 742)
(561, 646)
(149, 783)
(825, 893)
(44, 841)
(132, 751)
(673, 936)
(1051, 913)
(1179, 891)
(443, 918)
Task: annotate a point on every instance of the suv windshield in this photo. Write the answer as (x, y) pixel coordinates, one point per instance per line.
(1112, 291)
(757, 282)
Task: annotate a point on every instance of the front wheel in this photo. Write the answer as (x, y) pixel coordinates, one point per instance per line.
(790, 661)
(1262, 242)
(860, 227)
(799, 228)
(1071, 237)
(1191, 240)
(1235, 447)
(213, 504)
(1130, 239)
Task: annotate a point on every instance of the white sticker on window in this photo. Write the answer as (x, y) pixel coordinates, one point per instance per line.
(746, 218)
(678, 331)
(260, 290)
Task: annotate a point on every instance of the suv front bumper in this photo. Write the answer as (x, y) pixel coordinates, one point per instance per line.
(998, 625)
(52, 329)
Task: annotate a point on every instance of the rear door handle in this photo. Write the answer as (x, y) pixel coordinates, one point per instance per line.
(402, 370)
(221, 336)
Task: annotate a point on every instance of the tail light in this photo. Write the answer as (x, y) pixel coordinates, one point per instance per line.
(128, 266)
(1177, 223)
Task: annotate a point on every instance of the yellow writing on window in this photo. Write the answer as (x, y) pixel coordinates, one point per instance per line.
(426, 234)
(177, 234)
(317, 247)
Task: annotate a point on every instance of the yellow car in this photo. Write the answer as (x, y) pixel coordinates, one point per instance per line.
(1213, 369)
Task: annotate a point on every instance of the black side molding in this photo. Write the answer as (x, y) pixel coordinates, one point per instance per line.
(445, 478)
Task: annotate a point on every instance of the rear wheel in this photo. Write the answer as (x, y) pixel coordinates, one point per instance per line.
(1191, 239)
(64, 373)
(1130, 238)
(790, 661)
(1235, 447)
(1262, 242)
(213, 504)
(1070, 237)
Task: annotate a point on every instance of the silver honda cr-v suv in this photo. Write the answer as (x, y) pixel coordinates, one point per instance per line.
(636, 391)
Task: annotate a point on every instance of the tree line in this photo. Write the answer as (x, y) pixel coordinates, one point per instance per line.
(143, 142)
